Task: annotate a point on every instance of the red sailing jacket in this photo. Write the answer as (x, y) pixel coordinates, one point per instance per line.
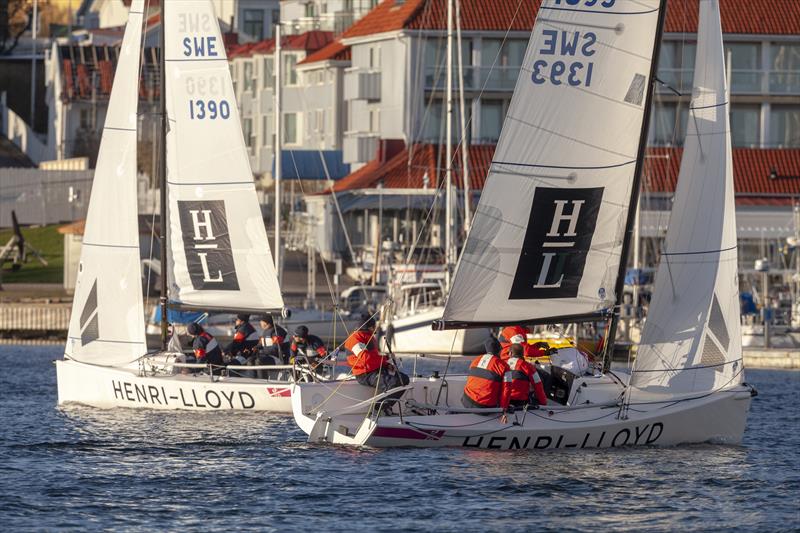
(517, 335)
(489, 382)
(204, 344)
(524, 377)
(362, 352)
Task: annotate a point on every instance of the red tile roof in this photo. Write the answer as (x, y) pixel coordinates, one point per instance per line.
(751, 169)
(780, 17)
(311, 41)
(335, 51)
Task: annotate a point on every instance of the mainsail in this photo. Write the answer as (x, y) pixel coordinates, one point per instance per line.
(107, 326)
(219, 257)
(548, 233)
(692, 337)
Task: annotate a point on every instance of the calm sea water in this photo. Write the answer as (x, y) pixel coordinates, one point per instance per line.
(82, 468)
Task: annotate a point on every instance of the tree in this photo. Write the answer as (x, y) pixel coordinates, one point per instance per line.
(15, 19)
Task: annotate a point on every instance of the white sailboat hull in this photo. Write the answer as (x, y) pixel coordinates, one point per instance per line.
(413, 334)
(717, 417)
(108, 387)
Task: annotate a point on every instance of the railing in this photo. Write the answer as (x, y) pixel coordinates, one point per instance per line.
(743, 81)
(333, 22)
(475, 78)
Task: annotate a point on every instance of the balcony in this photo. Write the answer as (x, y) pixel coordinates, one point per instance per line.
(743, 81)
(361, 85)
(359, 149)
(333, 22)
(475, 78)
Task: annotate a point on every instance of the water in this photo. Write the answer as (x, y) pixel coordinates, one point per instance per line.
(82, 468)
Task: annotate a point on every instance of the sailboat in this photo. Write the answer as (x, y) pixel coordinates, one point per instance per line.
(213, 236)
(549, 253)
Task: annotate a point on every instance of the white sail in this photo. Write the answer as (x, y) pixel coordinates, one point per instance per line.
(219, 257)
(107, 322)
(692, 338)
(547, 235)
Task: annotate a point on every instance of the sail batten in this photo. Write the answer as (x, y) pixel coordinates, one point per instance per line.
(219, 256)
(548, 234)
(691, 340)
(106, 324)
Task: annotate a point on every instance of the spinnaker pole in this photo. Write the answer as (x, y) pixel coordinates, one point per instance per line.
(163, 171)
(635, 189)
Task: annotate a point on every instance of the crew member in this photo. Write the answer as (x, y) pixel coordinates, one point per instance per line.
(518, 335)
(526, 385)
(245, 339)
(488, 380)
(370, 368)
(273, 338)
(205, 346)
(310, 345)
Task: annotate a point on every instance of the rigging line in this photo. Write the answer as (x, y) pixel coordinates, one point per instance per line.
(701, 251)
(669, 87)
(600, 12)
(633, 161)
(709, 106)
(676, 370)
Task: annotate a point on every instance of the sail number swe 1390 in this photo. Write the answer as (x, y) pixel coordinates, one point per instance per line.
(565, 46)
(209, 109)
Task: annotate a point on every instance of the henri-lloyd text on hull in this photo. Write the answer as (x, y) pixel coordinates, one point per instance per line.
(637, 435)
(181, 398)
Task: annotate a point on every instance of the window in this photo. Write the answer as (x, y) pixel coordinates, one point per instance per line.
(269, 75)
(289, 72)
(745, 66)
(311, 10)
(249, 79)
(491, 120)
(500, 63)
(276, 16)
(374, 57)
(745, 125)
(676, 64)
(264, 129)
(254, 23)
(374, 120)
(290, 128)
(666, 128)
(247, 129)
(785, 66)
(784, 126)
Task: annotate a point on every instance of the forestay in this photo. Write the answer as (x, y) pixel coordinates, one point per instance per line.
(547, 235)
(219, 254)
(691, 340)
(107, 326)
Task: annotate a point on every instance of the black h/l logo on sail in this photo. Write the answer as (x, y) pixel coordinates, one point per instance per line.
(207, 243)
(559, 234)
(89, 321)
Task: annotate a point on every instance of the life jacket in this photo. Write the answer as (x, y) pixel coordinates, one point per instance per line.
(310, 343)
(206, 346)
(524, 377)
(272, 336)
(489, 382)
(362, 352)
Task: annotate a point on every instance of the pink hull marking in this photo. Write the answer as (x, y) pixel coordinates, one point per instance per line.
(279, 392)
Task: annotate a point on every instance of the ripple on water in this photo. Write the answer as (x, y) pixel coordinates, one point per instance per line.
(83, 468)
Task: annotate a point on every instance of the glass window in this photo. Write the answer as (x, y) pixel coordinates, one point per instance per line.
(491, 120)
(311, 10)
(254, 23)
(668, 124)
(745, 125)
(269, 76)
(247, 129)
(264, 129)
(249, 79)
(289, 72)
(676, 65)
(745, 66)
(784, 126)
(785, 68)
(290, 128)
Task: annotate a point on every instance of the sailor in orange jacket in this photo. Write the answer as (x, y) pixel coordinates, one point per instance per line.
(526, 384)
(488, 380)
(518, 335)
(370, 368)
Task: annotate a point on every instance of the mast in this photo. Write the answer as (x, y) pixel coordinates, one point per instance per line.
(463, 116)
(448, 228)
(278, 169)
(163, 170)
(637, 182)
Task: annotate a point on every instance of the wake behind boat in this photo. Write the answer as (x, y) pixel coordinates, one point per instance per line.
(555, 251)
(213, 237)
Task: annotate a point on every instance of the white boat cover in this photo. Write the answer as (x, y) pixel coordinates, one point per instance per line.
(692, 339)
(547, 236)
(219, 256)
(107, 322)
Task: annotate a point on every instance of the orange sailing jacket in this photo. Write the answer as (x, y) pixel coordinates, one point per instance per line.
(362, 352)
(489, 382)
(524, 377)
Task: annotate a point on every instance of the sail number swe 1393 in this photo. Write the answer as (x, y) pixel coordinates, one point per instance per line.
(570, 64)
(209, 109)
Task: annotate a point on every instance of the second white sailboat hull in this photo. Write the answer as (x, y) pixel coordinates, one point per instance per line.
(413, 334)
(108, 387)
